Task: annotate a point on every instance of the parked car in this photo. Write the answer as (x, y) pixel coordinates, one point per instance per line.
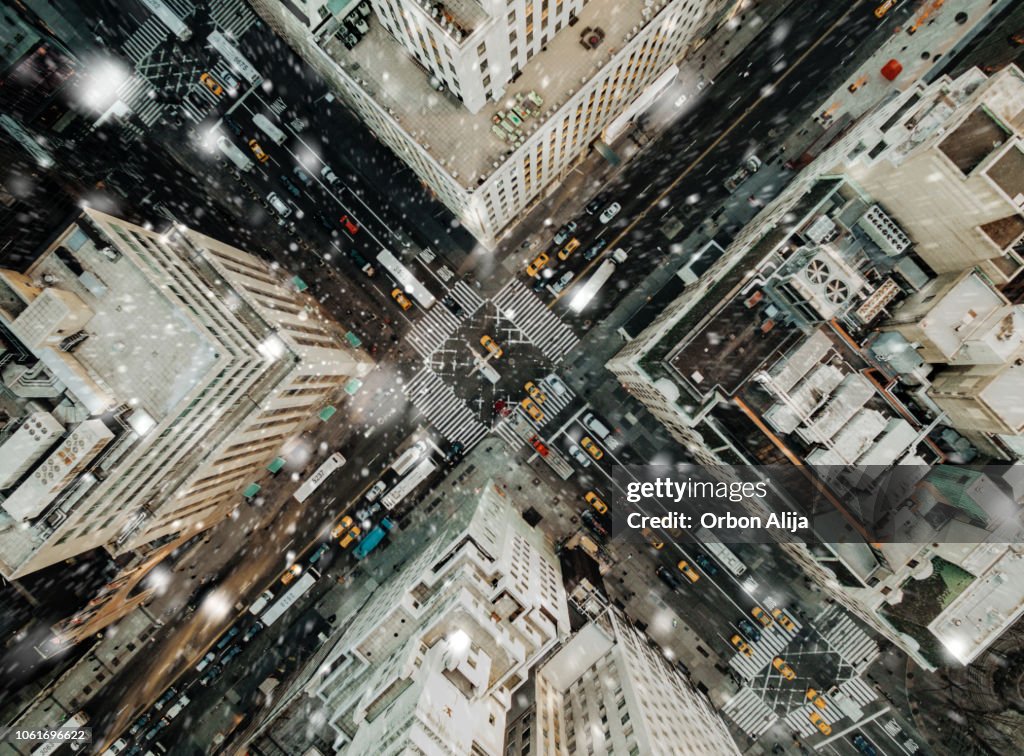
(302, 176)
(579, 455)
(610, 212)
(289, 185)
(258, 151)
(565, 232)
(253, 631)
(230, 654)
(595, 249)
(378, 488)
(279, 205)
(594, 205)
(596, 502)
(211, 674)
(349, 224)
(328, 175)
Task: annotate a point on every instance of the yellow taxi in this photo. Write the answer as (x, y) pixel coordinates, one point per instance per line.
(594, 450)
(816, 698)
(595, 501)
(211, 83)
(491, 346)
(294, 571)
(538, 264)
(566, 252)
(784, 669)
(403, 301)
(349, 537)
(535, 393)
(783, 620)
(341, 527)
(686, 569)
(652, 539)
(532, 409)
(818, 721)
(258, 151)
(742, 646)
(761, 616)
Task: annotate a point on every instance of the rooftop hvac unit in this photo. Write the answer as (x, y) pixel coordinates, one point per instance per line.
(884, 232)
(823, 283)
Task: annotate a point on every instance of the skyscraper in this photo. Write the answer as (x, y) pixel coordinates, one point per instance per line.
(174, 366)
(491, 103)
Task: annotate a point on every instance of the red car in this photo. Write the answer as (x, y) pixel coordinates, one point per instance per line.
(349, 224)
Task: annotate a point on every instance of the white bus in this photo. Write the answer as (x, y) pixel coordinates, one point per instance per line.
(721, 552)
(168, 18)
(408, 458)
(323, 472)
(265, 125)
(420, 473)
(288, 599)
(405, 279)
(75, 722)
(238, 62)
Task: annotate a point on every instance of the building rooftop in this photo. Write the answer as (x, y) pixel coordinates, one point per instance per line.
(466, 143)
(966, 303)
(974, 140)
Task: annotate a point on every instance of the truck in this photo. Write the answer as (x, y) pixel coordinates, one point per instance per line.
(235, 60)
(585, 293)
(405, 486)
(721, 552)
(372, 539)
(259, 604)
(283, 604)
(264, 124)
(235, 155)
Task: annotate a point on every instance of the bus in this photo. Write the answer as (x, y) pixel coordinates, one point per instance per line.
(238, 62)
(75, 722)
(288, 599)
(721, 552)
(408, 458)
(405, 279)
(169, 19)
(420, 473)
(323, 472)
(277, 136)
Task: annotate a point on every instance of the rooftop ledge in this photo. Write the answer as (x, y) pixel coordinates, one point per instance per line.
(467, 144)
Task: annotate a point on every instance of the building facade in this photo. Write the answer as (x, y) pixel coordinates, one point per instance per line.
(177, 366)
(491, 104)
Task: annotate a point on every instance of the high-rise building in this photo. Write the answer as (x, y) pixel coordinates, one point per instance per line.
(491, 103)
(176, 366)
(609, 690)
(431, 662)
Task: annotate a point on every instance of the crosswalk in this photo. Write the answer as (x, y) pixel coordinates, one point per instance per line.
(773, 639)
(506, 430)
(234, 17)
(443, 410)
(861, 693)
(539, 324)
(433, 329)
(466, 297)
(845, 637)
(750, 712)
(197, 112)
(137, 93)
(799, 719)
(144, 40)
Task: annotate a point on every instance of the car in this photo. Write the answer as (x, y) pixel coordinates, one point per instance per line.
(211, 83)
(341, 527)
(139, 724)
(532, 410)
(235, 126)
(784, 669)
(592, 448)
(116, 747)
(378, 488)
(253, 631)
(166, 698)
(329, 175)
(555, 385)
(785, 622)
(652, 539)
(596, 502)
(155, 730)
(705, 563)
(491, 346)
(229, 80)
(225, 639)
(302, 176)
(317, 555)
(453, 307)
(454, 453)
(211, 674)
(863, 745)
(538, 263)
(535, 393)
(403, 301)
(565, 232)
(566, 252)
(610, 212)
(292, 572)
(761, 616)
(230, 654)
(279, 205)
(594, 205)
(289, 185)
(350, 536)
(258, 151)
(592, 423)
(562, 282)
(747, 628)
(687, 570)
(669, 578)
(593, 524)
(816, 698)
(206, 661)
(578, 454)
(595, 249)
(363, 514)
(818, 721)
(742, 646)
(349, 224)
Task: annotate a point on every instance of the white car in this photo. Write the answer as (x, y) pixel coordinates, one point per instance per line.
(116, 747)
(329, 175)
(610, 212)
(562, 282)
(279, 205)
(581, 457)
(554, 383)
(378, 488)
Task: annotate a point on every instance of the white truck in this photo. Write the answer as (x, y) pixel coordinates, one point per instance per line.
(235, 155)
(586, 292)
(264, 124)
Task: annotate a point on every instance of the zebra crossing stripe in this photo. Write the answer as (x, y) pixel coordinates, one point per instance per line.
(750, 712)
(539, 324)
(855, 646)
(232, 16)
(146, 38)
(507, 434)
(436, 401)
(773, 640)
(466, 297)
(432, 330)
(799, 720)
(861, 693)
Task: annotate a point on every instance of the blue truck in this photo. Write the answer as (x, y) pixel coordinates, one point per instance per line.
(372, 539)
